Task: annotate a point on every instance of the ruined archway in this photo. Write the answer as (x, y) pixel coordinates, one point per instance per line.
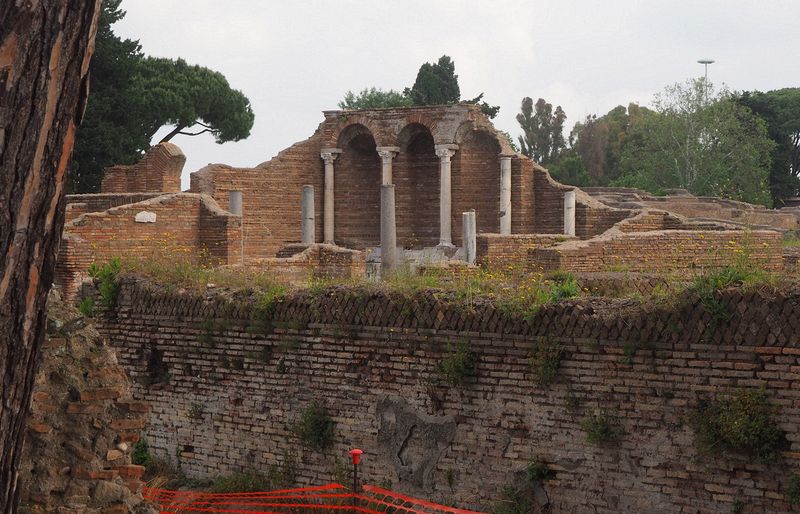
(476, 182)
(357, 182)
(416, 180)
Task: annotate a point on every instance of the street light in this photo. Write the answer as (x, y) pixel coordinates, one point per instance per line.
(705, 63)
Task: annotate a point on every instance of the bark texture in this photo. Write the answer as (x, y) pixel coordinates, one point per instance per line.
(45, 47)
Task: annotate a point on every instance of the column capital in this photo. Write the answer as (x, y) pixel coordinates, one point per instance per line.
(505, 157)
(329, 154)
(387, 152)
(445, 151)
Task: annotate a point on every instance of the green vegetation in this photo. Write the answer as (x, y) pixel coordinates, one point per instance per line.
(793, 490)
(246, 482)
(86, 307)
(315, 427)
(546, 359)
(133, 96)
(458, 364)
(542, 136)
(141, 453)
(538, 471)
(196, 411)
(512, 501)
(708, 286)
(742, 423)
(602, 427)
(107, 284)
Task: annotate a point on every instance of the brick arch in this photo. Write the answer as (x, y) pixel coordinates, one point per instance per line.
(476, 181)
(348, 121)
(357, 183)
(468, 129)
(413, 120)
(416, 179)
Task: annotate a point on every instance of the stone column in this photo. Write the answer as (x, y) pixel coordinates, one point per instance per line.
(307, 216)
(235, 202)
(470, 225)
(569, 213)
(445, 152)
(388, 231)
(505, 194)
(328, 155)
(387, 153)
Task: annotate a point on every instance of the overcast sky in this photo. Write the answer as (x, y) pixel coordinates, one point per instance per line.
(293, 59)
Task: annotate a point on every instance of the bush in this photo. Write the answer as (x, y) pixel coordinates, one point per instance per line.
(545, 361)
(741, 424)
(458, 364)
(538, 471)
(512, 501)
(793, 490)
(564, 286)
(315, 427)
(86, 307)
(107, 285)
(246, 482)
(141, 454)
(602, 427)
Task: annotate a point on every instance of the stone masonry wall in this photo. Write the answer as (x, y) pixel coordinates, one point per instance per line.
(226, 385)
(158, 171)
(679, 251)
(188, 225)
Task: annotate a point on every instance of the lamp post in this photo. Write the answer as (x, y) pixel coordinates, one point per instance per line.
(705, 63)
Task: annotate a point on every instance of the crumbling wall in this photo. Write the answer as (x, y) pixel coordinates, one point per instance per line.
(82, 425)
(233, 384)
(158, 171)
(182, 224)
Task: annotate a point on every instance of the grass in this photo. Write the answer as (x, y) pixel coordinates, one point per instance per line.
(458, 364)
(315, 427)
(602, 427)
(545, 361)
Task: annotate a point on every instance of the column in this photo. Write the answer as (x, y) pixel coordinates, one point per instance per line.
(505, 194)
(388, 231)
(387, 153)
(307, 216)
(569, 213)
(445, 152)
(469, 224)
(328, 155)
(235, 202)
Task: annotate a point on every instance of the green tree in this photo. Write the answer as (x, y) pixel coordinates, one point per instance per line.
(436, 84)
(133, 96)
(569, 169)
(374, 98)
(781, 111)
(702, 141)
(543, 130)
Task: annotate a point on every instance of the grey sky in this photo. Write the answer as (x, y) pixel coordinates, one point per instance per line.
(293, 59)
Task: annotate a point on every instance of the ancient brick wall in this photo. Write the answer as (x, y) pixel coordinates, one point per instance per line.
(83, 203)
(301, 264)
(496, 250)
(185, 225)
(272, 193)
(679, 251)
(226, 387)
(159, 171)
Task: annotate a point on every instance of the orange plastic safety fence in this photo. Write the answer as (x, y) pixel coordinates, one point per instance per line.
(307, 500)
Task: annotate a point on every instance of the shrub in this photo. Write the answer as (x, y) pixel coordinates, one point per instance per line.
(458, 364)
(107, 284)
(245, 482)
(741, 423)
(564, 286)
(86, 307)
(141, 454)
(196, 411)
(602, 427)
(793, 490)
(315, 427)
(512, 501)
(545, 361)
(538, 471)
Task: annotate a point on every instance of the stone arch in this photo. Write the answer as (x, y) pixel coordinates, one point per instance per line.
(357, 183)
(416, 180)
(476, 181)
(359, 123)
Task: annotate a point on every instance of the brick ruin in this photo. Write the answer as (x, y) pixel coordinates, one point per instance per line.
(442, 161)
(227, 383)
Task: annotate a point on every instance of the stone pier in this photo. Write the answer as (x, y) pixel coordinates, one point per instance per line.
(569, 213)
(469, 222)
(505, 194)
(328, 155)
(388, 231)
(307, 215)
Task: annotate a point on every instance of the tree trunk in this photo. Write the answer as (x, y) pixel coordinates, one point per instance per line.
(45, 47)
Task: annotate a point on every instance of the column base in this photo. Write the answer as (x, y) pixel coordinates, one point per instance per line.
(446, 245)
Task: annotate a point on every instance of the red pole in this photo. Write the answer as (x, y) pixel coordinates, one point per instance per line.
(355, 455)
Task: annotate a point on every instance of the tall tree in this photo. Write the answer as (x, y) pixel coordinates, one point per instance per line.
(436, 83)
(134, 96)
(702, 141)
(543, 130)
(781, 111)
(45, 49)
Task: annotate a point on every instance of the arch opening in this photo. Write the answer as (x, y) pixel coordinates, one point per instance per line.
(416, 179)
(357, 183)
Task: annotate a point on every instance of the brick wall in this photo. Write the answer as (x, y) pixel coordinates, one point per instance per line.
(301, 264)
(159, 170)
(186, 225)
(500, 250)
(679, 251)
(83, 203)
(355, 353)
